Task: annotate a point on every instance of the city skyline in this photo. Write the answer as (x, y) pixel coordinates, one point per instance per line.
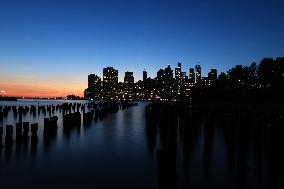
(168, 83)
(47, 48)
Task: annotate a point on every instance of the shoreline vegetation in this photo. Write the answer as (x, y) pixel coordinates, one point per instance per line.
(261, 83)
(8, 98)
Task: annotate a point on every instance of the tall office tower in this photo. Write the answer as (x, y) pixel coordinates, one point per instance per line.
(197, 74)
(128, 78)
(191, 76)
(144, 75)
(128, 85)
(185, 86)
(160, 80)
(110, 75)
(110, 81)
(94, 86)
(93, 81)
(168, 83)
(178, 79)
(168, 73)
(212, 75)
(150, 89)
(177, 72)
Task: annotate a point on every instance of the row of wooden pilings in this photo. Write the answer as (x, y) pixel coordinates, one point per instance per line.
(241, 125)
(25, 130)
(70, 119)
(22, 133)
(164, 117)
(23, 110)
(100, 110)
(65, 107)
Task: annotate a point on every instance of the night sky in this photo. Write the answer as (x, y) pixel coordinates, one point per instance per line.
(48, 48)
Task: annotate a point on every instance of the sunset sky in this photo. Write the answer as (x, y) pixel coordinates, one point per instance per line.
(48, 48)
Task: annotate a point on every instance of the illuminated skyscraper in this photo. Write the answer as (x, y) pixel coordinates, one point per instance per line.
(128, 78)
(197, 74)
(110, 76)
(191, 76)
(110, 81)
(185, 86)
(128, 85)
(160, 81)
(178, 79)
(178, 72)
(94, 87)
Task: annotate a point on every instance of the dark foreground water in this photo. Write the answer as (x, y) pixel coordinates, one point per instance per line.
(118, 152)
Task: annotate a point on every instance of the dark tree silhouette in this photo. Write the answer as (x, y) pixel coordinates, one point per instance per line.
(266, 71)
(263, 82)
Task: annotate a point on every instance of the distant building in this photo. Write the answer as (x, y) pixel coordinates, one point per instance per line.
(191, 76)
(184, 84)
(120, 91)
(160, 81)
(94, 87)
(197, 74)
(128, 85)
(144, 84)
(93, 81)
(150, 89)
(178, 72)
(183, 76)
(168, 83)
(110, 77)
(128, 78)
(138, 90)
(178, 79)
(212, 75)
(144, 75)
(205, 81)
(168, 73)
(160, 74)
(110, 81)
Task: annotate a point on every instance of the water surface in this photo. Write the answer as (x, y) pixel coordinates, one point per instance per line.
(118, 152)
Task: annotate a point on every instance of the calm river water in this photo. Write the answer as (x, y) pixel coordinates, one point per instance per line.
(117, 152)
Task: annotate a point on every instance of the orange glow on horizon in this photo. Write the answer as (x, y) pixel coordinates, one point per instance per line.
(41, 93)
(42, 88)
